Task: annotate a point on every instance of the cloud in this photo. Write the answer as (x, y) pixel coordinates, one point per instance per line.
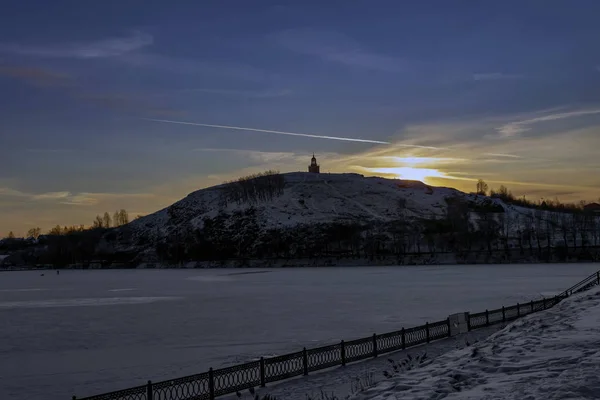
(127, 103)
(265, 94)
(347, 139)
(515, 128)
(188, 66)
(336, 47)
(501, 155)
(48, 150)
(255, 155)
(109, 47)
(36, 76)
(494, 76)
(66, 197)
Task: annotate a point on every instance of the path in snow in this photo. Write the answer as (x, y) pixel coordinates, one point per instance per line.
(342, 380)
(554, 354)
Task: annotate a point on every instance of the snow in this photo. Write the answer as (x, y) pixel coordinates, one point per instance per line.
(325, 198)
(343, 381)
(554, 354)
(314, 198)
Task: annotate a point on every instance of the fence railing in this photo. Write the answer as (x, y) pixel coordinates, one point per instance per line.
(219, 382)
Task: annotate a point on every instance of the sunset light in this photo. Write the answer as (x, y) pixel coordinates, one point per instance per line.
(410, 173)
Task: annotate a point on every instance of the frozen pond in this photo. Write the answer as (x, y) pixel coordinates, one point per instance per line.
(89, 332)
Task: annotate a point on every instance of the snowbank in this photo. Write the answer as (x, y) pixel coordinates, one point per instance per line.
(554, 354)
(342, 381)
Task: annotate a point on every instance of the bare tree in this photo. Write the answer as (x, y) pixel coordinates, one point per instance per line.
(124, 216)
(482, 187)
(34, 233)
(57, 230)
(98, 222)
(106, 221)
(11, 235)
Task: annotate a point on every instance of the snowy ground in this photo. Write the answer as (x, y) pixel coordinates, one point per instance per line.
(343, 381)
(549, 355)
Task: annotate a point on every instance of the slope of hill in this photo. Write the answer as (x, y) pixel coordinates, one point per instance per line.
(317, 216)
(310, 198)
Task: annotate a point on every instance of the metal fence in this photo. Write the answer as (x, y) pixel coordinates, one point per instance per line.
(214, 383)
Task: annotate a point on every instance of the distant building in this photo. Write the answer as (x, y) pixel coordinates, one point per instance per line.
(592, 207)
(314, 167)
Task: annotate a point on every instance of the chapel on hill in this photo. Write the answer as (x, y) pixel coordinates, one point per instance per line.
(314, 167)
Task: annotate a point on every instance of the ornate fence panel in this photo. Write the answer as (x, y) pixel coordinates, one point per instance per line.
(495, 316)
(195, 387)
(135, 393)
(284, 367)
(439, 330)
(359, 349)
(238, 377)
(511, 313)
(477, 320)
(324, 357)
(415, 336)
(539, 305)
(389, 342)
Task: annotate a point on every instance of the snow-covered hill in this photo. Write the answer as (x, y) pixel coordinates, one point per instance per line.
(316, 198)
(307, 215)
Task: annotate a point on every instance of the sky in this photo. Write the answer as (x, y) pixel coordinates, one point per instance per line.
(134, 104)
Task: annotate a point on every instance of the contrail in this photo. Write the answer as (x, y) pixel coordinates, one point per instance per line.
(239, 128)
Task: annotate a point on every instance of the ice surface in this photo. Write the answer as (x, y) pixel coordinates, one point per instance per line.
(549, 355)
(222, 317)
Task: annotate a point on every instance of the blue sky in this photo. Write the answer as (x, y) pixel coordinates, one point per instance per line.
(505, 91)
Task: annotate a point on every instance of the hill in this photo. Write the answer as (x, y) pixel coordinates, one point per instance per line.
(315, 219)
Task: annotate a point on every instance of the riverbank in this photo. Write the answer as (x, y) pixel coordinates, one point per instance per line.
(548, 355)
(514, 256)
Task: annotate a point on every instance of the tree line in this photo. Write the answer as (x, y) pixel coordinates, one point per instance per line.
(504, 194)
(105, 221)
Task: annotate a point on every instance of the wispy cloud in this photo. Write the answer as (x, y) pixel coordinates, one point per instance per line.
(336, 47)
(258, 94)
(515, 128)
(48, 150)
(239, 128)
(256, 155)
(66, 197)
(128, 103)
(502, 155)
(494, 76)
(36, 76)
(189, 66)
(109, 47)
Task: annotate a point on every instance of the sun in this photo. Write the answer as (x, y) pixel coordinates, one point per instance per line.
(410, 173)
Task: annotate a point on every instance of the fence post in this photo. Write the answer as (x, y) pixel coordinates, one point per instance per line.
(518, 310)
(149, 394)
(305, 361)
(403, 340)
(469, 322)
(487, 318)
(532, 306)
(427, 331)
(449, 326)
(262, 372)
(211, 384)
(503, 314)
(544, 303)
(374, 345)
(343, 353)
